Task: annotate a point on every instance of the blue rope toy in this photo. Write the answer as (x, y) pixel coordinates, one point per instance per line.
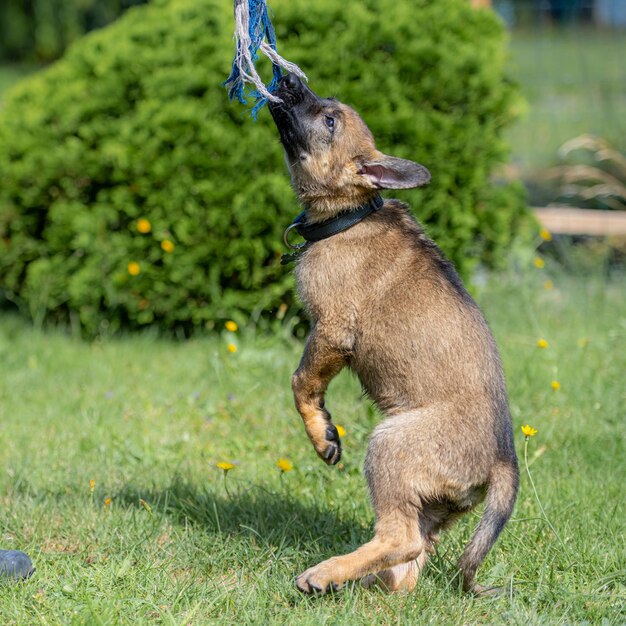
(254, 32)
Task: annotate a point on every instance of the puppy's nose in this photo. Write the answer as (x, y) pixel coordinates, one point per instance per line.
(291, 82)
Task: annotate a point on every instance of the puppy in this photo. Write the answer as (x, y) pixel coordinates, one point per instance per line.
(385, 302)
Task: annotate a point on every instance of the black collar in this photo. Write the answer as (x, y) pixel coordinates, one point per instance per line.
(322, 230)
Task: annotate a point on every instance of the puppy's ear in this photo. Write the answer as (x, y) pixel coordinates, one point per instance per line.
(389, 172)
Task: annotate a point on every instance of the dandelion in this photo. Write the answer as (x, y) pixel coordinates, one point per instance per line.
(542, 343)
(232, 348)
(231, 326)
(107, 503)
(134, 268)
(548, 285)
(40, 596)
(545, 234)
(92, 485)
(539, 263)
(556, 385)
(341, 431)
(167, 246)
(144, 226)
(226, 466)
(529, 432)
(284, 465)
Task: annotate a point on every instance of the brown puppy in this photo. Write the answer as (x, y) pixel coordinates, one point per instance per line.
(385, 302)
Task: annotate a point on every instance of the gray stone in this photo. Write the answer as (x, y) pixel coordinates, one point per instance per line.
(15, 565)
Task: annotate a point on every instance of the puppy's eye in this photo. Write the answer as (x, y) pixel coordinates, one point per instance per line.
(330, 122)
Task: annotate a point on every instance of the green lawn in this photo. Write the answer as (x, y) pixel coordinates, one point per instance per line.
(148, 419)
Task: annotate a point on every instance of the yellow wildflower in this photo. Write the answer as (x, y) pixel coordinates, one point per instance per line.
(107, 502)
(284, 465)
(167, 245)
(231, 347)
(529, 431)
(548, 285)
(542, 343)
(92, 485)
(144, 226)
(539, 263)
(225, 465)
(39, 596)
(231, 326)
(545, 234)
(556, 385)
(134, 268)
(282, 309)
(341, 431)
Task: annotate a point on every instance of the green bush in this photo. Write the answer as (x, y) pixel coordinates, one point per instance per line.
(133, 123)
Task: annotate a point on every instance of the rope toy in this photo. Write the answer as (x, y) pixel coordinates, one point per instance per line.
(254, 32)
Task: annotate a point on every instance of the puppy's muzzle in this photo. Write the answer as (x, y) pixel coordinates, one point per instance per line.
(292, 91)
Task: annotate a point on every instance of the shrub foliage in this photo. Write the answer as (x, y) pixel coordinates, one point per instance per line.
(133, 124)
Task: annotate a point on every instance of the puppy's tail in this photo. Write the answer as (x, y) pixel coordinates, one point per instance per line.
(500, 500)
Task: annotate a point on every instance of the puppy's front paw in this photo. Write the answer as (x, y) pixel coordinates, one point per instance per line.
(331, 448)
(325, 438)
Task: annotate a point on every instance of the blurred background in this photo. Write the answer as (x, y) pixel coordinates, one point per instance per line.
(567, 55)
(558, 99)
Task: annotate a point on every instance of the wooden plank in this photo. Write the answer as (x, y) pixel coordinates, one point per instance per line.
(572, 221)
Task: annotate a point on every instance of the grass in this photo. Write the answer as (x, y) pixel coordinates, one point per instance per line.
(573, 80)
(182, 543)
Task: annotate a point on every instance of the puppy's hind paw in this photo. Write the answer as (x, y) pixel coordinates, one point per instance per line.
(318, 580)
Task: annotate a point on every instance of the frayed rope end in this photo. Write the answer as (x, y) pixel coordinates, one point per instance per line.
(254, 32)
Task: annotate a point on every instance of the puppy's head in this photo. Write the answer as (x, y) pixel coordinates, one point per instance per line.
(331, 154)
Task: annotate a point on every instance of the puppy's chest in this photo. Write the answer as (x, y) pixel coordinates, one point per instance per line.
(329, 281)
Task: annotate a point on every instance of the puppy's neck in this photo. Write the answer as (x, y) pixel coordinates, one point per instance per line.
(321, 208)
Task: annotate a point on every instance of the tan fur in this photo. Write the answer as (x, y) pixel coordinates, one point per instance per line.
(384, 302)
